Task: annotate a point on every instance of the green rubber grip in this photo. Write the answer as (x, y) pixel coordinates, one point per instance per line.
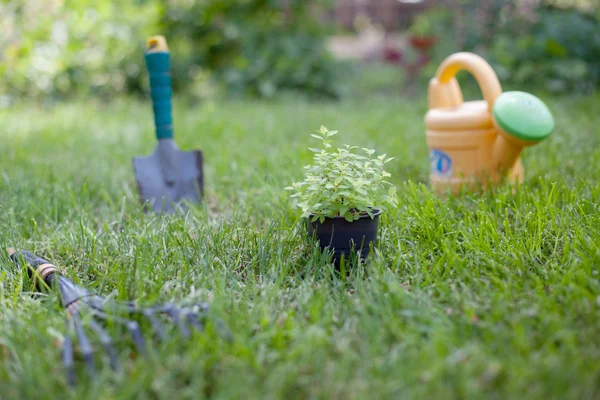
(158, 65)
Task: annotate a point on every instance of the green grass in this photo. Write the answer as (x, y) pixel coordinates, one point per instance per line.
(478, 296)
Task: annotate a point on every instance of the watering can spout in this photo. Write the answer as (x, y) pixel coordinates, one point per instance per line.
(479, 141)
(522, 120)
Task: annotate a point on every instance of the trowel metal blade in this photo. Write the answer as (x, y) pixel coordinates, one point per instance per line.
(162, 196)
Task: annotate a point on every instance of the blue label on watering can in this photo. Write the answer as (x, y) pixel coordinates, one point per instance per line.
(441, 163)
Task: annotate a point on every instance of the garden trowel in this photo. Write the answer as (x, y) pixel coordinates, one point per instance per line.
(169, 177)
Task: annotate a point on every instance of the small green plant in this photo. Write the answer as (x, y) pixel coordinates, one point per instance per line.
(343, 182)
(421, 26)
(431, 22)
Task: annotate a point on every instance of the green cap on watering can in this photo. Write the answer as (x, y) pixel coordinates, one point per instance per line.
(522, 120)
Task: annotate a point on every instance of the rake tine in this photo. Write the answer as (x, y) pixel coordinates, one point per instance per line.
(84, 344)
(203, 307)
(194, 321)
(156, 325)
(107, 343)
(67, 353)
(130, 307)
(174, 312)
(132, 326)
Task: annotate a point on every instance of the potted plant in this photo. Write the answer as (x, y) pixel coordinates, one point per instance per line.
(428, 27)
(343, 195)
(422, 34)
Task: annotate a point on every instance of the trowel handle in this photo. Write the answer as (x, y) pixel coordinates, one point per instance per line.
(158, 63)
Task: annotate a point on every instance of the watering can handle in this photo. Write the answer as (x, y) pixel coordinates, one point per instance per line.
(476, 66)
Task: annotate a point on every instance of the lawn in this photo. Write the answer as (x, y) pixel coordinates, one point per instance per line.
(478, 296)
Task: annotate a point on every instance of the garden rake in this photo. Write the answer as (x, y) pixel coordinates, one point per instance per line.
(80, 302)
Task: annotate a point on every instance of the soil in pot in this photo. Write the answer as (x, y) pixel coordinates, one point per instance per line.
(339, 235)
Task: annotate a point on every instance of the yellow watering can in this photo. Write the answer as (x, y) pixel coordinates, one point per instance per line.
(478, 143)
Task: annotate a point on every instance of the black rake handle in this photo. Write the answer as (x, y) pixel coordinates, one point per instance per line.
(37, 265)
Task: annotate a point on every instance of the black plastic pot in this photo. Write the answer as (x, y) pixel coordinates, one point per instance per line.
(345, 237)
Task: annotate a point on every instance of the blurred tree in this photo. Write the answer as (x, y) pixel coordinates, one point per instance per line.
(554, 44)
(251, 46)
(58, 48)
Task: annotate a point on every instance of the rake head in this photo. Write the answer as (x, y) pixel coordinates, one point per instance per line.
(84, 307)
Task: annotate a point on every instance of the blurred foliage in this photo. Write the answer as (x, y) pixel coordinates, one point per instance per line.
(561, 52)
(59, 48)
(529, 43)
(260, 47)
(433, 21)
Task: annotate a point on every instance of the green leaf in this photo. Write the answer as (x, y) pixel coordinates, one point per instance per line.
(555, 49)
(317, 136)
(341, 180)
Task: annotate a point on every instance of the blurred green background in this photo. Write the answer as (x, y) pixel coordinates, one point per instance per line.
(58, 49)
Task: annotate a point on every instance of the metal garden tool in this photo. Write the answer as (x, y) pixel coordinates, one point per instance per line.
(169, 177)
(85, 308)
